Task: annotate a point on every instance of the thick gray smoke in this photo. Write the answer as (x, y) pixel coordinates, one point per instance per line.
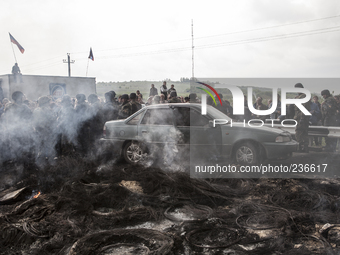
(43, 132)
(173, 155)
(167, 147)
(49, 130)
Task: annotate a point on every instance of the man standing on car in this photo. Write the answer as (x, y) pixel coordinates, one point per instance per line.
(301, 130)
(172, 89)
(153, 91)
(164, 90)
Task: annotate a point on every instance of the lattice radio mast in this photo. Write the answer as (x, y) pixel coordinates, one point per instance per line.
(192, 49)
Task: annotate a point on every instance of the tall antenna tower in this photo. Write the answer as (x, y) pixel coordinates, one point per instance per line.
(192, 48)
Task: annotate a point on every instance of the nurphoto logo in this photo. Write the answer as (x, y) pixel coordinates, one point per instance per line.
(239, 102)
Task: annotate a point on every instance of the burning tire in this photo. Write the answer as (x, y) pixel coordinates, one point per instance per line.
(246, 153)
(185, 212)
(134, 152)
(213, 238)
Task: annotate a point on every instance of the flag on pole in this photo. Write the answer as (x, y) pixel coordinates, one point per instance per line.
(91, 55)
(22, 50)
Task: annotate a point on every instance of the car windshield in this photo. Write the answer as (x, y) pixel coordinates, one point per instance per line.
(216, 114)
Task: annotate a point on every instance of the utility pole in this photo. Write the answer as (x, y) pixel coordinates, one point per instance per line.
(69, 61)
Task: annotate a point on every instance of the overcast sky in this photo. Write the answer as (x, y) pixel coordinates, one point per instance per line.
(151, 40)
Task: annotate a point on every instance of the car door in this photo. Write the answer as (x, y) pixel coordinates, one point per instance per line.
(156, 125)
(204, 140)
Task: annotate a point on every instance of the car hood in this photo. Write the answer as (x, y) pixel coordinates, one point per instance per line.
(263, 129)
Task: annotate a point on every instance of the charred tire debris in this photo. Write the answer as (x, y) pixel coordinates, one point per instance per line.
(88, 208)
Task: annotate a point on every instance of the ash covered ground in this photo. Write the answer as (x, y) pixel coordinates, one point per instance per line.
(86, 207)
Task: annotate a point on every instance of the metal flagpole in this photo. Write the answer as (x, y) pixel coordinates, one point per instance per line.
(15, 58)
(87, 68)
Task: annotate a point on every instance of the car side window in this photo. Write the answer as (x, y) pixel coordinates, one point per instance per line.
(135, 120)
(197, 119)
(184, 116)
(158, 117)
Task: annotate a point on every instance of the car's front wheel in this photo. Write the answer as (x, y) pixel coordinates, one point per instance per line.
(246, 153)
(134, 152)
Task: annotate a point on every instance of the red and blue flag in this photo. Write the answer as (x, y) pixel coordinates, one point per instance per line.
(22, 50)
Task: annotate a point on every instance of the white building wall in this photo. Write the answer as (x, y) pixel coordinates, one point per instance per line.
(35, 86)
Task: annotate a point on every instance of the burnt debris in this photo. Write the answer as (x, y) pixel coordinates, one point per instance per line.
(88, 208)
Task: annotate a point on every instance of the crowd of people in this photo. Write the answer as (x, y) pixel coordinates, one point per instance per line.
(49, 128)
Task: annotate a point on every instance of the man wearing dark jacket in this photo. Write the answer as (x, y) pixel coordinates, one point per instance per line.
(110, 107)
(153, 91)
(124, 110)
(328, 109)
(301, 130)
(164, 90)
(83, 115)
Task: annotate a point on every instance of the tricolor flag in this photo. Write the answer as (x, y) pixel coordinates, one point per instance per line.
(91, 55)
(16, 42)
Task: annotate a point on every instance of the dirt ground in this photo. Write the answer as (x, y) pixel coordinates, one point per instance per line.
(114, 208)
